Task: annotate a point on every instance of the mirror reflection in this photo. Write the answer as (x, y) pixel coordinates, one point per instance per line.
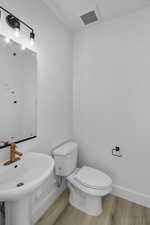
(18, 99)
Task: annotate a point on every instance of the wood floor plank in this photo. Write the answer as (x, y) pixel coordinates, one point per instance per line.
(122, 213)
(147, 215)
(55, 210)
(138, 215)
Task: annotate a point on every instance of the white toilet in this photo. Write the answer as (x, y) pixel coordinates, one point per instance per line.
(87, 185)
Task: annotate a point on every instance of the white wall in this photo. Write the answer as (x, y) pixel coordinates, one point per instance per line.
(54, 48)
(112, 99)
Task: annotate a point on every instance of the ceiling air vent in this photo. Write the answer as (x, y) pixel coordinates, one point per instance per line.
(89, 17)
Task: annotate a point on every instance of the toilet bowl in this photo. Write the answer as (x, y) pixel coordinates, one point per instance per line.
(87, 185)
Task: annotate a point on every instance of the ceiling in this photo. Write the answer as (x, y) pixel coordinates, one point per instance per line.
(69, 11)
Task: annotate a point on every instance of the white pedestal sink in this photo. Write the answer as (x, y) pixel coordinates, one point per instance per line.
(18, 181)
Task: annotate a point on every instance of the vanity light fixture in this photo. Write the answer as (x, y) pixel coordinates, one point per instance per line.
(15, 23)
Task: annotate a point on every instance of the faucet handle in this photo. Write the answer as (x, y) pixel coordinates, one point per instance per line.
(18, 153)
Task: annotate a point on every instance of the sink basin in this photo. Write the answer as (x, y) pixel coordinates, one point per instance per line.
(24, 176)
(18, 181)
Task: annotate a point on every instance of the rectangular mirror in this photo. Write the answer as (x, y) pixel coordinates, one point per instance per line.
(18, 93)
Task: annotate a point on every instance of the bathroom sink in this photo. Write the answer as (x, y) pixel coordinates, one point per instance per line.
(18, 181)
(24, 176)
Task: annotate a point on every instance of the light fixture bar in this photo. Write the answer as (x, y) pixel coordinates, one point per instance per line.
(15, 23)
(32, 34)
(21, 21)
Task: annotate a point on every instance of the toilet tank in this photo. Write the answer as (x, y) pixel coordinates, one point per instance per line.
(65, 158)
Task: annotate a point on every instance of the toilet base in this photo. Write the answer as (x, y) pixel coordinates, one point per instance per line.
(91, 205)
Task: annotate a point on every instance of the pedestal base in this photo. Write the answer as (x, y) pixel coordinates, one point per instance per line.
(18, 212)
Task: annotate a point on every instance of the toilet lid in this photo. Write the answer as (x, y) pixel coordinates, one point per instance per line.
(93, 178)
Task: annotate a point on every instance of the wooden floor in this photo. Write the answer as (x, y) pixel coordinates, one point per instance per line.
(116, 211)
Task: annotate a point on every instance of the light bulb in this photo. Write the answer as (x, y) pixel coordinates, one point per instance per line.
(7, 40)
(17, 32)
(31, 42)
(32, 37)
(23, 47)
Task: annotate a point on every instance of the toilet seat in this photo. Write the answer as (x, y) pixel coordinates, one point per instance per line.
(91, 191)
(93, 178)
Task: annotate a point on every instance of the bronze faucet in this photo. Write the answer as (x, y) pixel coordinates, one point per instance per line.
(13, 154)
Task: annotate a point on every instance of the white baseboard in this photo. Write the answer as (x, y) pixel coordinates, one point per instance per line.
(130, 195)
(46, 203)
